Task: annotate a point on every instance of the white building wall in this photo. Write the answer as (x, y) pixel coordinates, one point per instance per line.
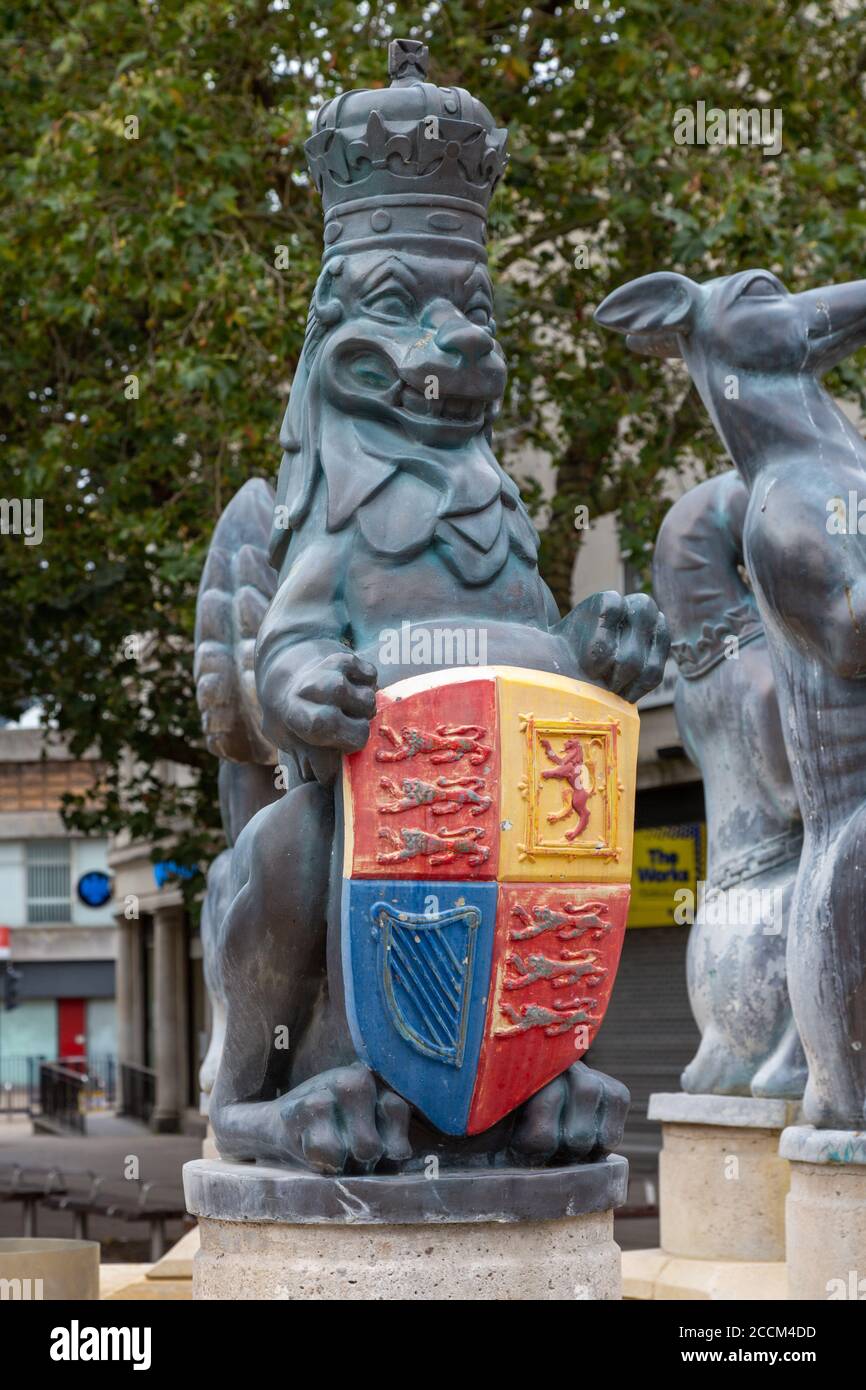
(101, 1027)
(86, 855)
(599, 565)
(30, 1030)
(13, 884)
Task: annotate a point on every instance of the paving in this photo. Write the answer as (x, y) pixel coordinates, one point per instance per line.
(107, 1152)
(107, 1149)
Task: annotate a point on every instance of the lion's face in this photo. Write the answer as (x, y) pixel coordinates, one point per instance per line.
(412, 344)
(574, 747)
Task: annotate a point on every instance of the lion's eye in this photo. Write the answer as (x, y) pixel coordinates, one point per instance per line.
(392, 304)
(373, 371)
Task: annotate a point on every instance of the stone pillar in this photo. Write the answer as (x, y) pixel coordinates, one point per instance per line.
(170, 1051)
(722, 1184)
(138, 1020)
(826, 1213)
(124, 987)
(181, 1004)
(722, 1189)
(503, 1234)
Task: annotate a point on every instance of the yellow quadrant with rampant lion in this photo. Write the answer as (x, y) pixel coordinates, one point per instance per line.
(569, 750)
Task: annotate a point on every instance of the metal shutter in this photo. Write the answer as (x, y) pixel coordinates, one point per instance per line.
(648, 1034)
(49, 897)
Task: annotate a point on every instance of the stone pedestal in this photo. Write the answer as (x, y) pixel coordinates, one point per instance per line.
(722, 1184)
(826, 1213)
(504, 1234)
(722, 1189)
(60, 1270)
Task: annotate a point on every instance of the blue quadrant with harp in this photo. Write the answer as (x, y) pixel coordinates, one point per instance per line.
(427, 962)
(417, 957)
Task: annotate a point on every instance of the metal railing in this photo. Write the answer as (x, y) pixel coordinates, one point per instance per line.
(20, 1083)
(99, 1075)
(61, 1096)
(137, 1091)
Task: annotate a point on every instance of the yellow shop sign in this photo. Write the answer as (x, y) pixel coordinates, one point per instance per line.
(666, 859)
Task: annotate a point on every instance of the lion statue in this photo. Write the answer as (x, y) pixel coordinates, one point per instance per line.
(390, 508)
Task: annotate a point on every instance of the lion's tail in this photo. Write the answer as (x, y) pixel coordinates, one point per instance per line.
(237, 585)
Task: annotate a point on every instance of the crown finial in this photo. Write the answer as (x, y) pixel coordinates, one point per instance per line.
(411, 164)
(408, 60)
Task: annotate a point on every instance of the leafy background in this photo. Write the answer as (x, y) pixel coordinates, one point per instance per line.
(155, 256)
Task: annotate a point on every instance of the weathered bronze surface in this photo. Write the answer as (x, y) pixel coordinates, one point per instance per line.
(728, 717)
(392, 515)
(757, 354)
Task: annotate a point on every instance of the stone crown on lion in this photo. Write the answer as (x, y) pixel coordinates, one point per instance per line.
(411, 157)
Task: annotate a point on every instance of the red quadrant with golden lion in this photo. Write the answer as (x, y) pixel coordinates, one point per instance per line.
(486, 884)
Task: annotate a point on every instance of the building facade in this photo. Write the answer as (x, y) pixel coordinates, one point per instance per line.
(163, 1016)
(62, 936)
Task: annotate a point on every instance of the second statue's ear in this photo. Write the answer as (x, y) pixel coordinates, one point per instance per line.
(651, 311)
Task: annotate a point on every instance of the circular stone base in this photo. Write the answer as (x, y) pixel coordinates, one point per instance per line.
(272, 1233)
(259, 1192)
(60, 1270)
(722, 1184)
(573, 1258)
(826, 1216)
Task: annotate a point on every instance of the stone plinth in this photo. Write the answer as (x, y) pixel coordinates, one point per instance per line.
(504, 1234)
(722, 1184)
(722, 1188)
(651, 1274)
(826, 1213)
(33, 1269)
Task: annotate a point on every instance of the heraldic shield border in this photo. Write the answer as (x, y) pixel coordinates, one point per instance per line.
(487, 863)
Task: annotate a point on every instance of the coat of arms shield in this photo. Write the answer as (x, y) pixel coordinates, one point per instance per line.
(488, 843)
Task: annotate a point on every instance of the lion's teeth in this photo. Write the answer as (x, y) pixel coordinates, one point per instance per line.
(414, 400)
(456, 408)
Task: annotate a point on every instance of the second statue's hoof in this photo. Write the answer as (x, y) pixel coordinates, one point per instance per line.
(345, 1121)
(715, 1070)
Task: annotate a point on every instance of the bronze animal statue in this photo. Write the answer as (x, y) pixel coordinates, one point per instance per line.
(390, 506)
(728, 716)
(757, 353)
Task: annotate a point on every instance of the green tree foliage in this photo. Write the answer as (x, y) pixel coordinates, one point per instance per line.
(154, 166)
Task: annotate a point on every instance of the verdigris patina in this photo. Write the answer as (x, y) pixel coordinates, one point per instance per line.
(237, 584)
(411, 966)
(728, 717)
(757, 354)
